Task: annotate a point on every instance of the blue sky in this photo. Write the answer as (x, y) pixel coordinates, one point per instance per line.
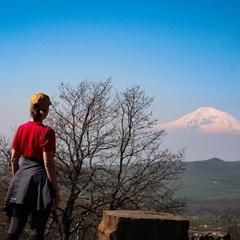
(185, 53)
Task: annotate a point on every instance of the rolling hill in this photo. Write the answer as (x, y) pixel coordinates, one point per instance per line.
(211, 186)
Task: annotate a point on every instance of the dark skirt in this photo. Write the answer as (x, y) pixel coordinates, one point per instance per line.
(30, 186)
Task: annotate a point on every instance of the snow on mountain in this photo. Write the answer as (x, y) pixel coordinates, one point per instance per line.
(205, 120)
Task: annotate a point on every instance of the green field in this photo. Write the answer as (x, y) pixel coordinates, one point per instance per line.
(211, 186)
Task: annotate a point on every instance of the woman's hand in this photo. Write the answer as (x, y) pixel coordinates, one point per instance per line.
(56, 201)
(14, 160)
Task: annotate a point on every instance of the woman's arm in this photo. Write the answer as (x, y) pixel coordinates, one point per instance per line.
(51, 173)
(14, 161)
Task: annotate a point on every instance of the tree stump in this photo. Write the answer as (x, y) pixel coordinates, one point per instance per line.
(142, 225)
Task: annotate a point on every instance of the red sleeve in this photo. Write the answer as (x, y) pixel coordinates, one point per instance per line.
(49, 143)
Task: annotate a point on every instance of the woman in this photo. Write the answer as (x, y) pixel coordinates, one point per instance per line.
(33, 189)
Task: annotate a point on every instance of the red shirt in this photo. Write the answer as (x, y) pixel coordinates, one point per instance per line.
(34, 138)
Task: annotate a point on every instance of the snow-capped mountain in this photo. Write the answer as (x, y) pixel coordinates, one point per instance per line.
(205, 120)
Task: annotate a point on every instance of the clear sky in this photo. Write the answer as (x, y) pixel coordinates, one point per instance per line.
(185, 53)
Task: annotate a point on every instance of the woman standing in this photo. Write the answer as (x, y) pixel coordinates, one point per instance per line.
(33, 189)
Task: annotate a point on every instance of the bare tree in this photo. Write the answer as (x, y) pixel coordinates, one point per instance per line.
(139, 174)
(109, 157)
(5, 175)
(81, 122)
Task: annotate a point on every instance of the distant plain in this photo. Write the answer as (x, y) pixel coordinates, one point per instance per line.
(211, 186)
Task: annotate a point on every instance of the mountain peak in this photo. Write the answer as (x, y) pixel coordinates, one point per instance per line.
(205, 120)
(210, 111)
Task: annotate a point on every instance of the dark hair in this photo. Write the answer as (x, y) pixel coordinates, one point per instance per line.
(36, 113)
